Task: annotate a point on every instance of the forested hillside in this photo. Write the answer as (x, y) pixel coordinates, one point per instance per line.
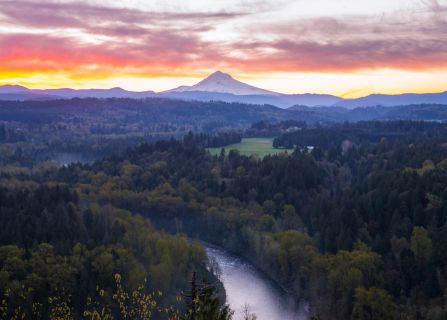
(60, 259)
(357, 225)
(36, 131)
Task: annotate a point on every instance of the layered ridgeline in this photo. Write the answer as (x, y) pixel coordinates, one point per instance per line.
(218, 86)
(223, 87)
(35, 131)
(357, 225)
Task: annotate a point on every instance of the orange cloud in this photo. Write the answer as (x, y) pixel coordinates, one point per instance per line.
(80, 41)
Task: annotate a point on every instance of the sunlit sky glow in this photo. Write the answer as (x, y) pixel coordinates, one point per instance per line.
(348, 48)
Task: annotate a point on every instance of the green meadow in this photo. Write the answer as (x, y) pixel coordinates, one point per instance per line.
(252, 146)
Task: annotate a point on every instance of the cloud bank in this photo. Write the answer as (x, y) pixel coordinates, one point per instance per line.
(90, 40)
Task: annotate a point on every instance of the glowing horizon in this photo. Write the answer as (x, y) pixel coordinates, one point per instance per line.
(348, 48)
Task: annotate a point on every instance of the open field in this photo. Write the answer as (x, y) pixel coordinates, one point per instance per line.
(252, 146)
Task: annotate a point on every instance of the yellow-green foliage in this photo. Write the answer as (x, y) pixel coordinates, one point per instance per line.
(373, 304)
(427, 166)
(120, 304)
(46, 282)
(339, 275)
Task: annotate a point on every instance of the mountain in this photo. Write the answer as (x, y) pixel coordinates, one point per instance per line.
(223, 83)
(394, 100)
(221, 86)
(14, 92)
(10, 89)
(67, 93)
(218, 86)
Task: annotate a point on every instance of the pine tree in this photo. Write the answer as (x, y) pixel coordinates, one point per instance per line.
(203, 303)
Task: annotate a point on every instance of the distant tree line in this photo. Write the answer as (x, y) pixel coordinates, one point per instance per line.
(274, 129)
(218, 140)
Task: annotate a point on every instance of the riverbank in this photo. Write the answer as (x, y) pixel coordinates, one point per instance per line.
(246, 285)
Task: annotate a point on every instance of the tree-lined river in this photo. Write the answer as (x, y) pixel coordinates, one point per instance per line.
(246, 285)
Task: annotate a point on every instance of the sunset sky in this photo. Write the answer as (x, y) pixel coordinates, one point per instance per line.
(349, 48)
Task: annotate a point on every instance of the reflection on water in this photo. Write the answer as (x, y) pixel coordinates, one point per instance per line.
(245, 285)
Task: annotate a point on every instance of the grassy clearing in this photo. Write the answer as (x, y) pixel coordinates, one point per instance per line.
(252, 146)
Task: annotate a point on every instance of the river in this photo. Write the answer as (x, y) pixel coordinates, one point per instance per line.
(244, 285)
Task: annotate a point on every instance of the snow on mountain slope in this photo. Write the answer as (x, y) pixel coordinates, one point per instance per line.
(224, 83)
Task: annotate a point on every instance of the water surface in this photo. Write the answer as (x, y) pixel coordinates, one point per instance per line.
(246, 285)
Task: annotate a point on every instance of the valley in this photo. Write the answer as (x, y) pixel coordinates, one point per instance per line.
(223, 160)
(286, 214)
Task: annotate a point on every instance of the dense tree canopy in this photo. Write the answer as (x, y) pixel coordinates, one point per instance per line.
(357, 224)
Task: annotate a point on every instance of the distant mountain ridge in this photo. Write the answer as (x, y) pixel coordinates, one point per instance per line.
(221, 86)
(68, 93)
(282, 101)
(16, 92)
(394, 100)
(9, 89)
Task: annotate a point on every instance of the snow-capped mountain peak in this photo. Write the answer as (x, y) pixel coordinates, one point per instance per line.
(224, 83)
